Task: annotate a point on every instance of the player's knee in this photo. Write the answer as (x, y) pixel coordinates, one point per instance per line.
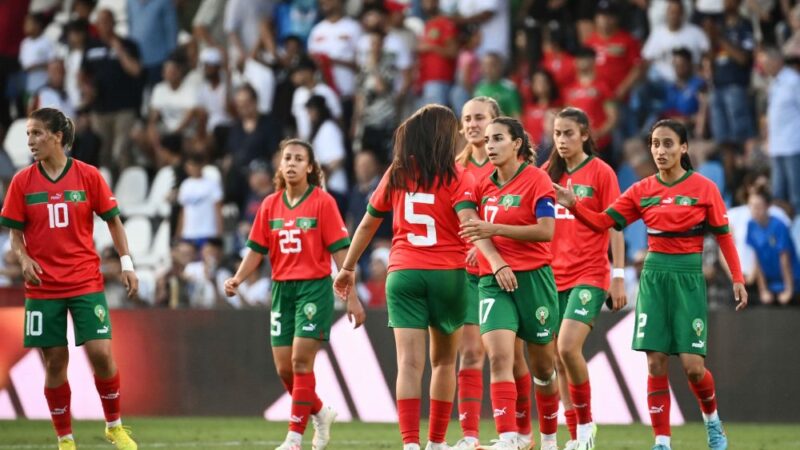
(656, 366)
(694, 372)
(472, 357)
(501, 362)
(302, 364)
(285, 373)
(543, 370)
(568, 352)
(56, 366)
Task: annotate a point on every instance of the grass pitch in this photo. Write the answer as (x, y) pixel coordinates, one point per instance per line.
(254, 433)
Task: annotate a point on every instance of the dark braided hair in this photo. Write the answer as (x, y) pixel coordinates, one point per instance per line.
(515, 129)
(56, 121)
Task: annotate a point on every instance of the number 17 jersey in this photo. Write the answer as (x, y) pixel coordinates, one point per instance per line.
(57, 220)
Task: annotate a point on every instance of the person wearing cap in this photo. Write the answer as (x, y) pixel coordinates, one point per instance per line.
(213, 100)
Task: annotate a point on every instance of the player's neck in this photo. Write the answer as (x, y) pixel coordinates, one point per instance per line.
(672, 175)
(575, 160)
(478, 154)
(295, 192)
(507, 171)
(54, 165)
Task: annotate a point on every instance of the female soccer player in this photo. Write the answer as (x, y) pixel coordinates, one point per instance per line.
(475, 116)
(300, 228)
(678, 206)
(580, 264)
(425, 291)
(50, 209)
(516, 204)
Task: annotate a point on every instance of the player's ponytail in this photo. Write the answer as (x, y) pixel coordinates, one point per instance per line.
(314, 178)
(525, 152)
(683, 138)
(56, 121)
(557, 165)
(494, 109)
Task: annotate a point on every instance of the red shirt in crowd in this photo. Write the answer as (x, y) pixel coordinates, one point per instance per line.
(433, 66)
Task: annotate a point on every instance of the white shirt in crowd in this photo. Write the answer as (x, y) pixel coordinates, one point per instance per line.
(495, 32)
(300, 113)
(48, 97)
(72, 68)
(174, 104)
(243, 17)
(214, 101)
(199, 198)
(34, 52)
(662, 41)
(337, 40)
(328, 147)
(395, 47)
(202, 292)
(262, 79)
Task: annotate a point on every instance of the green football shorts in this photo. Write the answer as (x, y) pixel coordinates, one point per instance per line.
(671, 309)
(46, 320)
(472, 300)
(427, 298)
(581, 303)
(301, 308)
(531, 310)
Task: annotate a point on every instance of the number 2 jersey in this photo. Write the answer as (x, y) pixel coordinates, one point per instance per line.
(515, 203)
(299, 239)
(425, 224)
(57, 221)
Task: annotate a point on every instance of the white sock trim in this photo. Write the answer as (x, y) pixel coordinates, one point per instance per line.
(711, 417)
(663, 440)
(549, 437)
(65, 437)
(294, 437)
(114, 423)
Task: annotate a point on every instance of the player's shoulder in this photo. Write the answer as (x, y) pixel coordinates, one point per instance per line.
(23, 175)
(320, 195)
(84, 169)
(271, 199)
(598, 166)
(537, 174)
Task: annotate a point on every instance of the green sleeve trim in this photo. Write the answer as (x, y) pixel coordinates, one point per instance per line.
(340, 244)
(256, 247)
(464, 204)
(724, 229)
(375, 213)
(11, 223)
(620, 222)
(110, 214)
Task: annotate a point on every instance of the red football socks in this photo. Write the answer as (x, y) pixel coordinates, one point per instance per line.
(658, 400)
(572, 423)
(524, 403)
(109, 396)
(439, 419)
(581, 396)
(302, 400)
(408, 415)
(547, 409)
(317, 406)
(58, 400)
(704, 391)
(504, 401)
(470, 396)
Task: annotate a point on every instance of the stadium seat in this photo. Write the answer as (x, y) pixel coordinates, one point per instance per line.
(102, 237)
(16, 144)
(156, 202)
(147, 285)
(140, 235)
(131, 188)
(159, 254)
(106, 173)
(212, 172)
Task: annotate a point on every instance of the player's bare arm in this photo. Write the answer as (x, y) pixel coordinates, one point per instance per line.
(346, 278)
(129, 278)
(355, 310)
(30, 268)
(250, 262)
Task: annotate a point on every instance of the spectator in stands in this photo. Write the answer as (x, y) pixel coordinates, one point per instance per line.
(153, 25)
(307, 83)
(213, 100)
(53, 94)
(35, 52)
(685, 98)
(200, 198)
(12, 32)
(208, 24)
(205, 277)
(112, 68)
(595, 98)
(294, 18)
(116, 294)
(784, 139)
(76, 33)
(468, 68)
(10, 268)
(87, 143)
(675, 33)
(792, 44)
(259, 180)
(368, 170)
(537, 115)
(777, 266)
(247, 24)
(252, 136)
(494, 19)
(556, 59)
(172, 286)
(173, 101)
(401, 44)
(494, 85)
(327, 140)
(438, 50)
(732, 47)
(82, 12)
(376, 283)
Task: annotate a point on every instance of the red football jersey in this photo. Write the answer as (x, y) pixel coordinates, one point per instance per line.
(677, 214)
(514, 203)
(616, 56)
(425, 224)
(57, 220)
(580, 254)
(299, 239)
(479, 172)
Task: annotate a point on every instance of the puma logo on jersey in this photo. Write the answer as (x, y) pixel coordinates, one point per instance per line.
(310, 327)
(462, 417)
(657, 409)
(668, 201)
(499, 412)
(553, 416)
(110, 396)
(521, 415)
(544, 333)
(698, 344)
(59, 411)
(289, 223)
(296, 419)
(55, 197)
(103, 330)
(581, 312)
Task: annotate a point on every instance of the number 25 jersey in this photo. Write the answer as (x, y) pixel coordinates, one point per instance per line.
(57, 220)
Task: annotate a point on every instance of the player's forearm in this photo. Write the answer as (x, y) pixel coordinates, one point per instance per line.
(617, 249)
(485, 246)
(18, 244)
(118, 236)
(594, 220)
(250, 262)
(540, 232)
(728, 248)
(361, 239)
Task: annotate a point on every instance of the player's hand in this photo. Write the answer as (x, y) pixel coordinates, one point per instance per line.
(504, 275)
(740, 295)
(472, 257)
(618, 297)
(231, 285)
(31, 270)
(473, 230)
(565, 196)
(131, 282)
(785, 297)
(344, 283)
(355, 311)
(766, 297)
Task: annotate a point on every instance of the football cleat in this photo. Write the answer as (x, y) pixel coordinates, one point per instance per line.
(716, 435)
(571, 445)
(525, 441)
(66, 444)
(466, 444)
(289, 444)
(435, 446)
(322, 422)
(121, 437)
(549, 446)
(660, 447)
(500, 444)
(589, 444)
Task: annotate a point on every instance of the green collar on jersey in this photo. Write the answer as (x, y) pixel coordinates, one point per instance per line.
(685, 176)
(63, 172)
(305, 196)
(580, 166)
(497, 183)
(485, 161)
